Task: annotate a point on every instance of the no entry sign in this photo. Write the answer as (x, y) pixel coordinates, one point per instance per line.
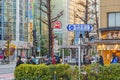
(57, 25)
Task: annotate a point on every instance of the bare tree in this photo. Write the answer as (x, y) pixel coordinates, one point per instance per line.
(8, 33)
(89, 12)
(49, 20)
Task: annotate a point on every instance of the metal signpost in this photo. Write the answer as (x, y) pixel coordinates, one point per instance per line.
(81, 28)
(55, 25)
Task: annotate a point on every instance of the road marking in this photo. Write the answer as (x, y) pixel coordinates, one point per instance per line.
(6, 76)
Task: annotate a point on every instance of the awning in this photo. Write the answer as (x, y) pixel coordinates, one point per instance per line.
(109, 29)
(109, 42)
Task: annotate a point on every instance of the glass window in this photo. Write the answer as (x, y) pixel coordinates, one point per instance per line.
(117, 19)
(0, 30)
(0, 11)
(113, 19)
(0, 37)
(14, 4)
(21, 38)
(0, 24)
(14, 12)
(0, 18)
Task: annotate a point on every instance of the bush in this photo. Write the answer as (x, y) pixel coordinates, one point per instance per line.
(97, 72)
(43, 72)
(111, 72)
(66, 72)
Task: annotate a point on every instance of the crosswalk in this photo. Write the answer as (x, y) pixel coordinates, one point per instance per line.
(7, 76)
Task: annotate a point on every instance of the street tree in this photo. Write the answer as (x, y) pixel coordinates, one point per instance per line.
(47, 9)
(88, 13)
(8, 33)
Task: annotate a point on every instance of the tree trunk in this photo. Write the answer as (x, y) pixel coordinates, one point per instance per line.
(49, 27)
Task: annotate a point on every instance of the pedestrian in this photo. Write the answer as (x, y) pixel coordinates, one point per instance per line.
(114, 58)
(87, 59)
(54, 60)
(19, 61)
(84, 59)
(101, 62)
(57, 59)
(30, 61)
(34, 59)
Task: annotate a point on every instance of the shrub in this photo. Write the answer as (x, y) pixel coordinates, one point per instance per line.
(111, 72)
(42, 72)
(66, 72)
(97, 72)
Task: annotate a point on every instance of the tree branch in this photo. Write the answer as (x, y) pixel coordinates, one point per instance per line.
(43, 10)
(80, 10)
(58, 16)
(44, 21)
(77, 16)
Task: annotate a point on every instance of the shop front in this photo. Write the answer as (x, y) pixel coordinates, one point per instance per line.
(106, 51)
(108, 43)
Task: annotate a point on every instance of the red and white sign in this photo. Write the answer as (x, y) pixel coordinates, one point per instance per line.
(57, 25)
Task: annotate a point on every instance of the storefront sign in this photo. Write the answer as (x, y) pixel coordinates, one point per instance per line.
(108, 47)
(110, 34)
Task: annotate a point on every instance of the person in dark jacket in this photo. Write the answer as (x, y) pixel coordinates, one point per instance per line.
(84, 59)
(19, 61)
(30, 61)
(57, 59)
(101, 62)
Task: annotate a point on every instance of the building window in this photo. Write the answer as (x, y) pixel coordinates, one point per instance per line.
(113, 19)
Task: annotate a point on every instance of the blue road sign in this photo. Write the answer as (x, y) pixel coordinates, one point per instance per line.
(79, 27)
(71, 27)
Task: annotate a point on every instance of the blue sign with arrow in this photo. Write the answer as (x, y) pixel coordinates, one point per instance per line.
(79, 27)
(71, 27)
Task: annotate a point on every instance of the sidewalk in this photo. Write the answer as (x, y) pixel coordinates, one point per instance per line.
(7, 76)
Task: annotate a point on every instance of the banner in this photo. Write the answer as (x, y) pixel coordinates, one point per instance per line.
(30, 29)
(31, 33)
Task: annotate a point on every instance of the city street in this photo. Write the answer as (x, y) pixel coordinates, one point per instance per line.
(7, 71)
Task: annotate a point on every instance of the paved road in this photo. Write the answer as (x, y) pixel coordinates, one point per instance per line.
(7, 71)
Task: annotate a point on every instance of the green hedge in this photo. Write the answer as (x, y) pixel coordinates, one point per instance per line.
(97, 72)
(66, 72)
(44, 72)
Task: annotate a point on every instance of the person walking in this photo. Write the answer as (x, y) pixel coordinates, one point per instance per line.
(101, 62)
